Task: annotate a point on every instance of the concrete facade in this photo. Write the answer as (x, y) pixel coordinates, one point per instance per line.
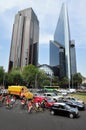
(25, 39)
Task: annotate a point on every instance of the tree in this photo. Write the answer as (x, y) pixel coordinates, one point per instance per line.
(2, 72)
(64, 82)
(29, 73)
(55, 80)
(14, 77)
(77, 79)
(42, 78)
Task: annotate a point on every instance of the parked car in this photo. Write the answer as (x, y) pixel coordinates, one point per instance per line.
(64, 110)
(38, 99)
(71, 90)
(36, 94)
(75, 99)
(72, 103)
(63, 92)
(53, 95)
(49, 102)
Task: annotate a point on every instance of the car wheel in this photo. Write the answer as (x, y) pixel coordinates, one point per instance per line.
(71, 115)
(52, 112)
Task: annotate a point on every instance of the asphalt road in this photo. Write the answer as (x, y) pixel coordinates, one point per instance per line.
(17, 119)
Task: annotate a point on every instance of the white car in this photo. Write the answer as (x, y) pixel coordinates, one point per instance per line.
(71, 90)
(53, 96)
(63, 92)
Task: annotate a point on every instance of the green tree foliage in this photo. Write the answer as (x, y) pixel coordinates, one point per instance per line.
(1, 75)
(29, 73)
(6, 80)
(55, 81)
(84, 84)
(14, 77)
(42, 78)
(31, 76)
(64, 82)
(77, 79)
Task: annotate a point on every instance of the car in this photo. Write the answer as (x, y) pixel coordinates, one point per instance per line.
(63, 92)
(75, 99)
(64, 110)
(73, 103)
(49, 102)
(53, 95)
(38, 99)
(36, 94)
(71, 90)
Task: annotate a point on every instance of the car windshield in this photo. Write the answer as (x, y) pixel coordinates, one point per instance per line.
(53, 94)
(50, 100)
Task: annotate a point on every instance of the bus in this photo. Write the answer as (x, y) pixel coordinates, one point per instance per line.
(51, 88)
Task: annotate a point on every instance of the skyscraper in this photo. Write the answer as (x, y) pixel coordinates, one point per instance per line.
(62, 49)
(73, 57)
(25, 39)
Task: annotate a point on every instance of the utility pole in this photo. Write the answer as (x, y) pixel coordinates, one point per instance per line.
(3, 79)
(72, 81)
(36, 81)
(26, 59)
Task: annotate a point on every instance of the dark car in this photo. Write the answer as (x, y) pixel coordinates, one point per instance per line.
(75, 99)
(72, 103)
(64, 110)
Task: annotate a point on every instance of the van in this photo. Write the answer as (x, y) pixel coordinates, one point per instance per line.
(21, 91)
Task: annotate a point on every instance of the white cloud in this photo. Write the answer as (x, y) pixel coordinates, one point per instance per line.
(47, 12)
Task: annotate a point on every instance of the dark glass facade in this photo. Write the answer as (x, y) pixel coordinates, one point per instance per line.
(62, 52)
(54, 54)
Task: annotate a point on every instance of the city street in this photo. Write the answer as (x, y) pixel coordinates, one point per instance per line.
(17, 119)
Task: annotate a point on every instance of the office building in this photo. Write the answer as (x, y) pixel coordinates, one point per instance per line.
(25, 39)
(73, 57)
(62, 49)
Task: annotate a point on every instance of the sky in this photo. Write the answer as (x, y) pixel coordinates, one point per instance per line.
(47, 12)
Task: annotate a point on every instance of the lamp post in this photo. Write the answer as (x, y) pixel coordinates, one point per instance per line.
(72, 81)
(50, 80)
(26, 59)
(3, 80)
(69, 83)
(36, 81)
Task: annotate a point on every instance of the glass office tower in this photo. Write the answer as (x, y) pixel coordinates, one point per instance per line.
(64, 55)
(57, 58)
(54, 54)
(25, 39)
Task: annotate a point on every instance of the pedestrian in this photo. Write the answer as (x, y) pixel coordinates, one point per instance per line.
(43, 104)
(30, 106)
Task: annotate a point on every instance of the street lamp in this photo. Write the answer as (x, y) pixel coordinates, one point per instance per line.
(3, 79)
(72, 81)
(36, 81)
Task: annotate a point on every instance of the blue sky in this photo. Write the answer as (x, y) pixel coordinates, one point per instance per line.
(47, 12)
